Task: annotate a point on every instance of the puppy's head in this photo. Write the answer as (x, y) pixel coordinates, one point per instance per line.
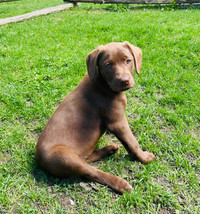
(115, 62)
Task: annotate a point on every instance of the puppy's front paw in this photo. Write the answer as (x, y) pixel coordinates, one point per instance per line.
(146, 157)
(112, 148)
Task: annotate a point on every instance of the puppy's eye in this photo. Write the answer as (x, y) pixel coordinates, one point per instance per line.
(128, 61)
(108, 65)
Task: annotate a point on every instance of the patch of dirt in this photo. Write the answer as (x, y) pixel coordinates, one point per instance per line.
(85, 186)
(198, 176)
(136, 99)
(34, 129)
(166, 130)
(166, 211)
(158, 95)
(193, 158)
(65, 200)
(4, 157)
(111, 138)
(195, 133)
(181, 195)
(134, 116)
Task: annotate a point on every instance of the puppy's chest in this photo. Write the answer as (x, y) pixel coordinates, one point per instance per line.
(113, 108)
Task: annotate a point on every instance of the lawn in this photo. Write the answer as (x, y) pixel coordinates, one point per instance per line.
(43, 59)
(8, 9)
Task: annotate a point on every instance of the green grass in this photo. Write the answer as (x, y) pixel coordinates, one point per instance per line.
(8, 9)
(43, 59)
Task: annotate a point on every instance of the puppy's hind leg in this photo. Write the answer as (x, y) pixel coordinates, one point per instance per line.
(64, 161)
(106, 151)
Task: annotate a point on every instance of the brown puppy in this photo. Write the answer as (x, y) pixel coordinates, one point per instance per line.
(97, 104)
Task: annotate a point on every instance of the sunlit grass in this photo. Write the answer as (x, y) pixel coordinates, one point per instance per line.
(43, 59)
(20, 7)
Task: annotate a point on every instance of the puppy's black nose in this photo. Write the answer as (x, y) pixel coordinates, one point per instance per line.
(124, 81)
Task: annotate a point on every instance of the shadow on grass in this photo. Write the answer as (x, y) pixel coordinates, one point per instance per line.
(132, 7)
(167, 6)
(44, 177)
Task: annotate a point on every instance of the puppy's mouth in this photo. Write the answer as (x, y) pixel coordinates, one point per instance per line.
(120, 88)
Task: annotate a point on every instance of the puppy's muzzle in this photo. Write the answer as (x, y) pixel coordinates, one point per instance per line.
(124, 81)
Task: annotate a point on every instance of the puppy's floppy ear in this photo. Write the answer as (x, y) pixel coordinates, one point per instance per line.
(137, 55)
(92, 67)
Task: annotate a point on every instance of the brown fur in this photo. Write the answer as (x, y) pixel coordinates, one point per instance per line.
(97, 104)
